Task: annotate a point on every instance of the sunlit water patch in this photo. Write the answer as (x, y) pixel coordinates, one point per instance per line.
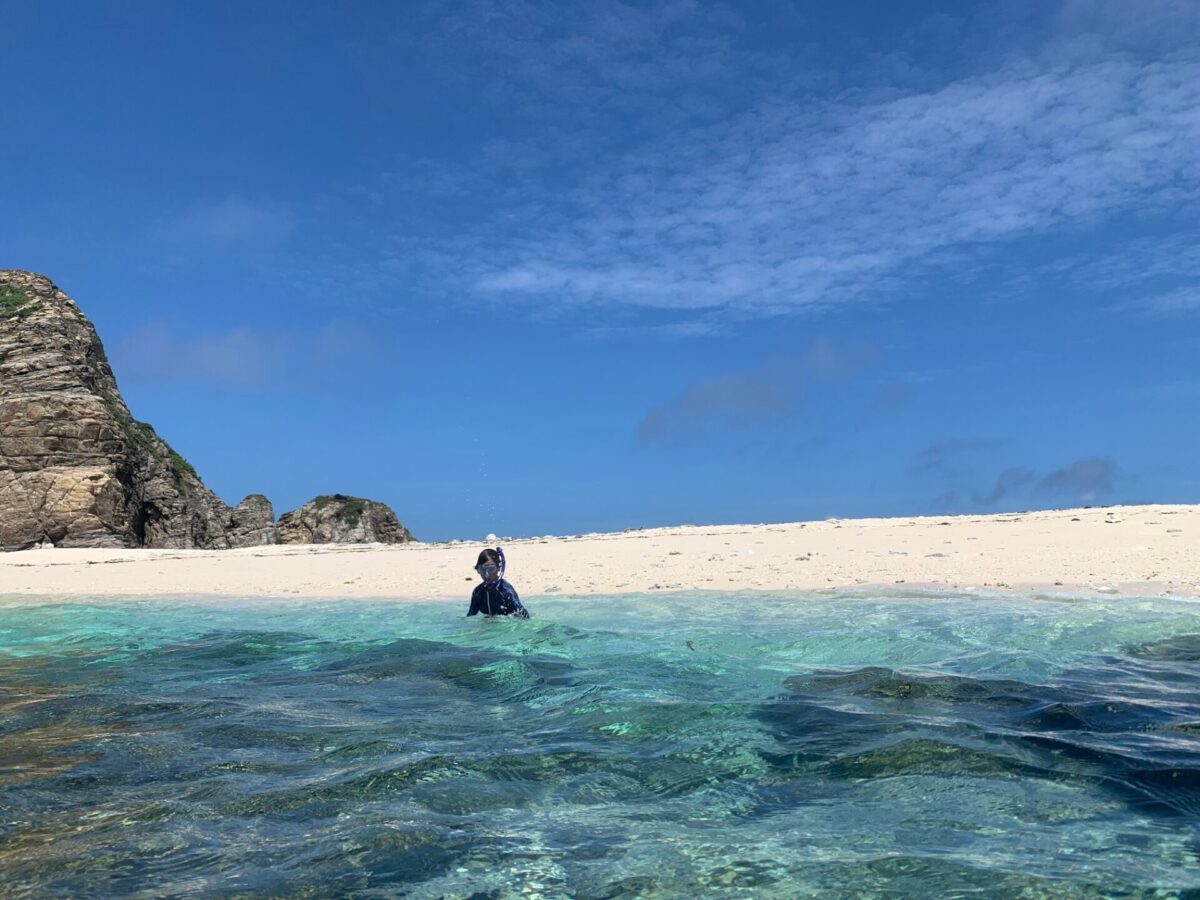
(667, 746)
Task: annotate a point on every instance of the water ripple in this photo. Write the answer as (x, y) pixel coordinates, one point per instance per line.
(651, 746)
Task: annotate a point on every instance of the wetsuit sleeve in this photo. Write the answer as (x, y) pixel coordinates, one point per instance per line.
(476, 598)
(518, 609)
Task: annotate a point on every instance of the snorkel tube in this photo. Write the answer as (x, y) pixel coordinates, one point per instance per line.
(500, 553)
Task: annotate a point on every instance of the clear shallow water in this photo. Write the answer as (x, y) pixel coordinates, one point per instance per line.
(750, 745)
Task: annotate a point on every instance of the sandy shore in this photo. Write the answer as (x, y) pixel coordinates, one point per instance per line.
(1129, 550)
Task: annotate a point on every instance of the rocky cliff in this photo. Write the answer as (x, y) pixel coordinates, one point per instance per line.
(338, 519)
(76, 468)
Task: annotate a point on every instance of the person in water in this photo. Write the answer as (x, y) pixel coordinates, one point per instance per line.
(495, 596)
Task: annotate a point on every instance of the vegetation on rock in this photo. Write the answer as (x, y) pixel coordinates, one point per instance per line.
(351, 509)
(340, 518)
(15, 303)
(142, 435)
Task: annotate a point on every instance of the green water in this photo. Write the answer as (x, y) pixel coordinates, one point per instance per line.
(650, 746)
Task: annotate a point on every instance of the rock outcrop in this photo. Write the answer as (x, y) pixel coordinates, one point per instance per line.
(338, 519)
(76, 468)
(252, 523)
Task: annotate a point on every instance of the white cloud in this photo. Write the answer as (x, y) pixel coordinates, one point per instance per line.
(659, 161)
(1155, 21)
(599, 51)
(1171, 257)
(242, 357)
(232, 223)
(790, 207)
(1150, 275)
(1179, 301)
(667, 158)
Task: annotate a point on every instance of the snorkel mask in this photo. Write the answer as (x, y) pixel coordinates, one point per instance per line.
(492, 571)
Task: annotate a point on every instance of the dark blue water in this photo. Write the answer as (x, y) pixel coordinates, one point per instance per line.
(652, 746)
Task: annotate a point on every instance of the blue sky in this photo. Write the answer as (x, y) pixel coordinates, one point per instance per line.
(546, 268)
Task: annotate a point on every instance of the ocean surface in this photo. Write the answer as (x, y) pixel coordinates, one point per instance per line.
(645, 746)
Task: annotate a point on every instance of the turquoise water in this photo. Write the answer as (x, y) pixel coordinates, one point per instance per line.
(651, 746)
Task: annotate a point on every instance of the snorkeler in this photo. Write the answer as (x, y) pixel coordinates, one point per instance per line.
(495, 596)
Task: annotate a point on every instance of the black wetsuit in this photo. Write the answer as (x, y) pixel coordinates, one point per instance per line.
(499, 599)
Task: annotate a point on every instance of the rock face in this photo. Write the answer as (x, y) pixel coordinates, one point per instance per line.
(338, 519)
(252, 523)
(76, 468)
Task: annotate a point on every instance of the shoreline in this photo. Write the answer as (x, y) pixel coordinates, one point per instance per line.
(1151, 550)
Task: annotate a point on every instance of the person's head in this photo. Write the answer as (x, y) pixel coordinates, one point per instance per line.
(488, 565)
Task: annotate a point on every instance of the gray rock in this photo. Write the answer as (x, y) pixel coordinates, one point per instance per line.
(252, 523)
(339, 519)
(76, 468)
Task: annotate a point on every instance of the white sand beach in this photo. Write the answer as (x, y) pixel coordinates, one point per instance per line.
(1126, 550)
